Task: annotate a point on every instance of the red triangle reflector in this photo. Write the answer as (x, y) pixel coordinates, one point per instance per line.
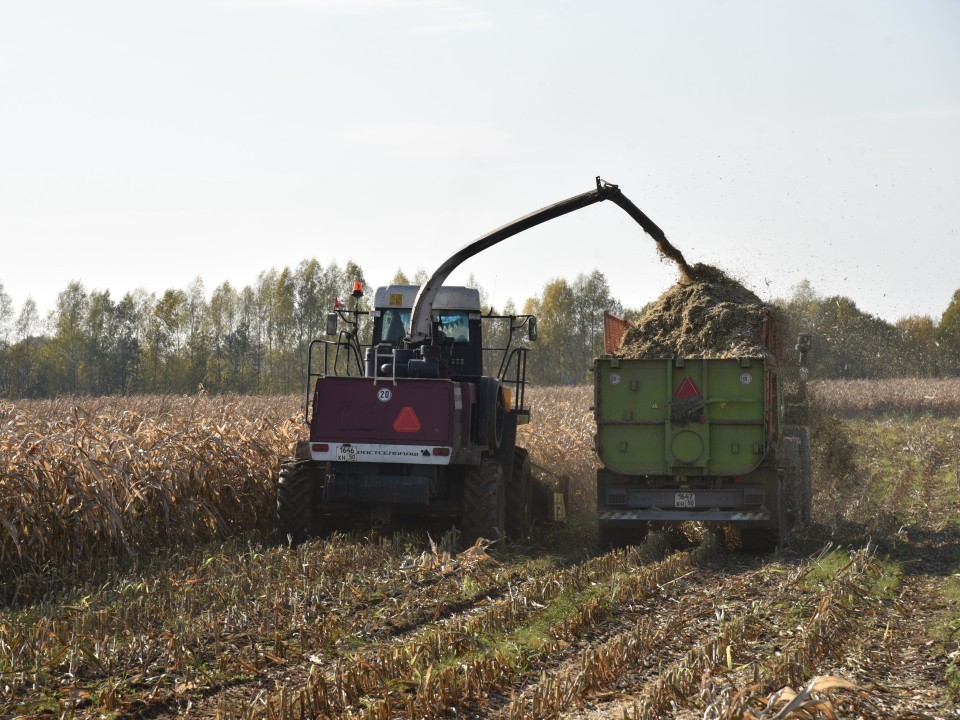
(687, 389)
(407, 421)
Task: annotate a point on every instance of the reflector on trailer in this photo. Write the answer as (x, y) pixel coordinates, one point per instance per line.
(407, 421)
(686, 389)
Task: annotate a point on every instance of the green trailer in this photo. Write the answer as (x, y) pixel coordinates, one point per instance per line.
(692, 439)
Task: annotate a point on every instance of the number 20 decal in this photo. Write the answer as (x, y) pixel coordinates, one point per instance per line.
(384, 394)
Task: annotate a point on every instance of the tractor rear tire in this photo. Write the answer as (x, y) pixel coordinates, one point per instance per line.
(520, 496)
(491, 410)
(483, 502)
(295, 515)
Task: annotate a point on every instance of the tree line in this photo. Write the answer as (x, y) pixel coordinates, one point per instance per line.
(254, 339)
(246, 340)
(852, 344)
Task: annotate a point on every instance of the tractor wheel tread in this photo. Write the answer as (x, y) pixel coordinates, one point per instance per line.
(520, 496)
(483, 506)
(295, 515)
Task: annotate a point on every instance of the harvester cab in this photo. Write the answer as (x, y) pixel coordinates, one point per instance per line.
(455, 332)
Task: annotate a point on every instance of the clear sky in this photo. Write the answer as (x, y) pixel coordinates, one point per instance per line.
(143, 144)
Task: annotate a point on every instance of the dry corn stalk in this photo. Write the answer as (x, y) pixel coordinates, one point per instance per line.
(84, 478)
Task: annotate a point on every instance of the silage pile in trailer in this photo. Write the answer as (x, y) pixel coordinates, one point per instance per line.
(706, 314)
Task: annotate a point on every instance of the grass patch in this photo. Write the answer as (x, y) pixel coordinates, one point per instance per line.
(883, 582)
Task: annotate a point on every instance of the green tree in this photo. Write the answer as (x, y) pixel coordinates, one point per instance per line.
(311, 293)
(919, 354)
(197, 336)
(847, 342)
(570, 317)
(6, 316)
(127, 322)
(948, 335)
(28, 321)
(558, 358)
(281, 332)
(168, 339)
(97, 350)
(222, 323)
(247, 348)
(66, 353)
(591, 297)
(485, 305)
(23, 377)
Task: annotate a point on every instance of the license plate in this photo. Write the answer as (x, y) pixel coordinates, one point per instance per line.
(346, 453)
(685, 500)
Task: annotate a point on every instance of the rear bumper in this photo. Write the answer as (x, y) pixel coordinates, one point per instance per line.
(321, 451)
(735, 503)
(615, 517)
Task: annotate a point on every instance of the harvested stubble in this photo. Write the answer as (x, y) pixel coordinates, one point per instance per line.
(452, 662)
(708, 315)
(187, 623)
(847, 604)
(85, 478)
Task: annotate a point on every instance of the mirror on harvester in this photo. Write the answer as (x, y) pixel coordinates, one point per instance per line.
(331, 323)
(532, 328)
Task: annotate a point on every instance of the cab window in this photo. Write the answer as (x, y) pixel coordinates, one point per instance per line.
(454, 324)
(396, 324)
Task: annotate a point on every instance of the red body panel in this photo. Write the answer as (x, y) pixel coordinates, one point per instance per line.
(424, 412)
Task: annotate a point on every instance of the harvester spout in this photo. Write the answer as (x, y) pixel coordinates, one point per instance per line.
(423, 305)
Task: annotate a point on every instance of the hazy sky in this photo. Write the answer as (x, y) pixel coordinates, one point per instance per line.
(145, 144)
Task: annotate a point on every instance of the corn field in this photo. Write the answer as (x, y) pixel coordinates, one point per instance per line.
(914, 396)
(83, 479)
(141, 579)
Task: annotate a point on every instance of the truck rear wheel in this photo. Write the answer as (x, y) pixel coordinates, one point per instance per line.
(483, 502)
(295, 501)
(520, 496)
(767, 540)
(792, 471)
